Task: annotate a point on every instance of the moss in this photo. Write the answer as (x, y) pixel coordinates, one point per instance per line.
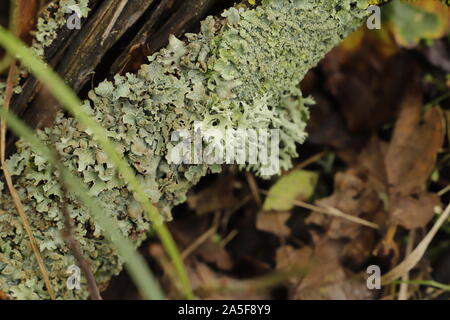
(240, 71)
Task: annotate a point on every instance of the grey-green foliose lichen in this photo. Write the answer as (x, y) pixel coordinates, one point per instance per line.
(238, 72)
(53, 19)
(49, 23)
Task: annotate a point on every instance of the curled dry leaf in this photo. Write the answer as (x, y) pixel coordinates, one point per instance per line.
(400, 169)
(327, 279)
(412, 153)
(416, 255)
(352, 195)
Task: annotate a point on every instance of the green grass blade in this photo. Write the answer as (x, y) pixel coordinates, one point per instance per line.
(134, 262)
(430, 283)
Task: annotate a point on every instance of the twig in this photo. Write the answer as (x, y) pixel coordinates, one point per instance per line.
(332, 211)
(253, 187)
(71, 241)
(417, 254)
(156, 251)
(116, 16)
(252, 285)
(338, 213)
(228, 238)
(200, 240)
(403, 292)
(309, 161)
(443, 191)
(12, 190)
(431, 283)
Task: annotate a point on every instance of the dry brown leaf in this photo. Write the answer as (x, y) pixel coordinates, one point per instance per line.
(290, 257)
(367, 83)
(402, 168)
(274, 222)
(414, 211)
(356, 252)
(351, 195)
(372, 158)
(326, 278)
(412, 153)
(416, 255)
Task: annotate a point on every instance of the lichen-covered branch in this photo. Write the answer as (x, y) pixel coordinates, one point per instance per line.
(240, 71)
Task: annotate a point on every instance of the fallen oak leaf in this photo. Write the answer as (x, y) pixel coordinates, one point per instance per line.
(401, 168)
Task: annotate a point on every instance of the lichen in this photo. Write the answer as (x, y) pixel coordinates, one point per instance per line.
(53, 19)
(240, 71)
(49, 23)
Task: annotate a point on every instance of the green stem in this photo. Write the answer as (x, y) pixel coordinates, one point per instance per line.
(72, 103)
(430, 283)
